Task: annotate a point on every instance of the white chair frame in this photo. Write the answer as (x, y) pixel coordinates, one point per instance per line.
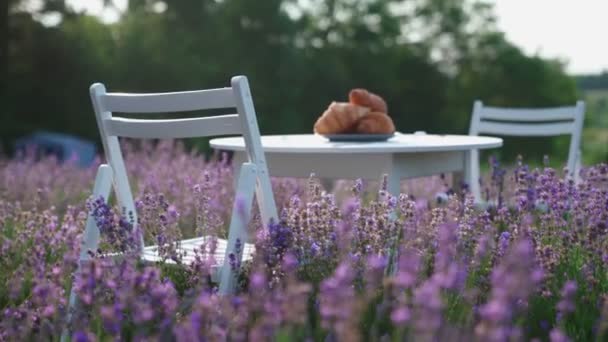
(533, 122)
(253, 176)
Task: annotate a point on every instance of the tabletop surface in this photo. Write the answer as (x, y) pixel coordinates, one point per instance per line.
(400, 143)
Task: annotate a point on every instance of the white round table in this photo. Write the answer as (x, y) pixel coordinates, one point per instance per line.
(402, 156)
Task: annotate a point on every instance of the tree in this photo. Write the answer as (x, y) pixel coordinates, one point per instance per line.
(50, 71)
(430, 59)
(4, 10)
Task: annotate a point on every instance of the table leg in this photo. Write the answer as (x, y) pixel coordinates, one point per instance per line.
(464, 175)
(393, 182)
(472, 162)
(393, 186)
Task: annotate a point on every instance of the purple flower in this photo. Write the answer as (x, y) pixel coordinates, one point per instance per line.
(337, 302)
(428, 307)
(446, 266)
(112, 317)
(513, 281)
(82, 336)
(557, 335)
(503, 242)
(400, 315)
(407, 271)
(566, 305)
(258, 281)
(314, 249)
(374, 271)
(358, 187)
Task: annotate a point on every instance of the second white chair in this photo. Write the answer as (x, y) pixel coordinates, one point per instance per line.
(534, 122)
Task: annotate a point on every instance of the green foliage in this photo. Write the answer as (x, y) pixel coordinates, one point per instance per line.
(429, 59)
(595, 134)
(593, 82)
(501, 75)
(51, 70)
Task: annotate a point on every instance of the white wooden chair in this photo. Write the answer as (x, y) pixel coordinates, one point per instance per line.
(243, 123)
(527, 122)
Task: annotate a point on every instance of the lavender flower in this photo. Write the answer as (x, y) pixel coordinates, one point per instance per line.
(368, 266)
(337, 302)
(557, 335)
(566, 305)
(428, 306)
(512, 283)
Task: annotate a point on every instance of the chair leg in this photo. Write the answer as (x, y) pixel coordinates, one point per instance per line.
(241, 211)
(577, 167)
(90, 238)
(472, 174)
(265, 197)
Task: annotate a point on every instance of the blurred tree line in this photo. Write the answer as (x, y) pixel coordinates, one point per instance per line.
(595, 92)
(593, 82)
(430, 59)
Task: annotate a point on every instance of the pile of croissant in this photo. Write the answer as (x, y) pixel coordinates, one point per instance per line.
(365, 113)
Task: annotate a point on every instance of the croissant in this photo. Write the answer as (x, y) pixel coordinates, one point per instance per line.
(375, 123)
(368, 99)
(339, 117)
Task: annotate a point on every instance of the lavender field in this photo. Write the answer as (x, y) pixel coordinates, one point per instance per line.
(339, 266)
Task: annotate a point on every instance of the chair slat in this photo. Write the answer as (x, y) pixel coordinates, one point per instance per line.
(168, 102)
(150, 253)
(528, 114)
(174, 128)
(515, 129)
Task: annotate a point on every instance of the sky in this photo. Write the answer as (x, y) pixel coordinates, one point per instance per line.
(574, 31)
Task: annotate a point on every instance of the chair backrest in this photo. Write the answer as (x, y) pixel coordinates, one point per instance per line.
(535, 122)
(244, 123)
